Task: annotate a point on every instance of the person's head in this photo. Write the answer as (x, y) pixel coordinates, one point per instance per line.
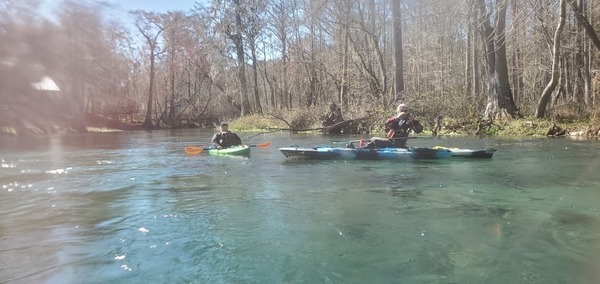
(332, 106)
(224, 127)
(402, 108)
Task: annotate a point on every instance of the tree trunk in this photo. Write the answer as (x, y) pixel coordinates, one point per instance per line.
(172, 109)
(258, 106)
(148, 119)
(310, 66)
(582, 20)
(584, 49)
(499, 98)
(345, 34)
(546, 94)
(505, 98)
(475, 84)
(239, 48)
(283, 76)
(517, 68)
(398, 57)
(468, 58)
(487, 33)
(152, 44)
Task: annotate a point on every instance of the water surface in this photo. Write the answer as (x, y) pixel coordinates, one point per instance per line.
(134, 208)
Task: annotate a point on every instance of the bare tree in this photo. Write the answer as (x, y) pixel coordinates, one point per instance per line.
(150, 27)
(228, 18)
(280, 13)
(253, 31)
(238, 41)
(398, 56)
(500, 98)
(546, 94)
(582, 20)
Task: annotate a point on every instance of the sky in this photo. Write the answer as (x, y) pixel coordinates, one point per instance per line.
(153, 5)
(122, 7)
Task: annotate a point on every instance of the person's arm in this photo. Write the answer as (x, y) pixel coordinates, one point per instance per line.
(391, 121)
(238, 140)
(416, 126)
(215, 140)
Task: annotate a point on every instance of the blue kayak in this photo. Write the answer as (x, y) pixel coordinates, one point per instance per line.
(340, 153)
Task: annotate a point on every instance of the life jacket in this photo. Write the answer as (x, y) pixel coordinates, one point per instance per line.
(399, 126)
(227, 139)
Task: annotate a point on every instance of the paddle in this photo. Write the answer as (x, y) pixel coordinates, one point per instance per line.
(194, 150)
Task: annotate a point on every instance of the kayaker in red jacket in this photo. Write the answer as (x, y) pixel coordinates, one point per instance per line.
(225, 138)
(398, 128)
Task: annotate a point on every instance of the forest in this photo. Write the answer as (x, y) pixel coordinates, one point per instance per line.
(470, 62)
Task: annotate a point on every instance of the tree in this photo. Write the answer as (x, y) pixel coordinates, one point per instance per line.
(228, 18)
(499, 98)
(174, 23)
(238, 40)
(582, 20)
(149, 26)
(84, 51)
(545, 97)
(253, 31)
(398, 56)
(280, 14)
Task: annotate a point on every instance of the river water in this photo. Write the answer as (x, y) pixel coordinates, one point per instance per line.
(134, 208)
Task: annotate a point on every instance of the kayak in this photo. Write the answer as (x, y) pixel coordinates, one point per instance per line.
(231, 151)
(339, 153)
(468, 153)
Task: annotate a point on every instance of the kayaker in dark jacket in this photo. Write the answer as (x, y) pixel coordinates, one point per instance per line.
(398, 128)
(225, 138)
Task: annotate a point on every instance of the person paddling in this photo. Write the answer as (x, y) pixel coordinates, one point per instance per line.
(225, 138)
(398, 128)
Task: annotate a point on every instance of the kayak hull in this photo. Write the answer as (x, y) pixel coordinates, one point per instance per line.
(231, 151)
(339, 153)
(485, 153)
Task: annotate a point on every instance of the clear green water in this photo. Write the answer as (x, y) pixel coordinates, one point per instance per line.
(133, 208)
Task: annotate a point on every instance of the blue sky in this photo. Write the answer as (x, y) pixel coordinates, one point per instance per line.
(154, 5)
(122, 7)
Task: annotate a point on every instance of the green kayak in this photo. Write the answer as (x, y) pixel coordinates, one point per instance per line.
(234, 151)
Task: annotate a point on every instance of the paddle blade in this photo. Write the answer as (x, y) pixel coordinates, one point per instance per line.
(193, 150)
(264, 145)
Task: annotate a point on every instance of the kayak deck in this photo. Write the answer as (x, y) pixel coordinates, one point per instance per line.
(231, 151)
(339, 153)
(468, 153)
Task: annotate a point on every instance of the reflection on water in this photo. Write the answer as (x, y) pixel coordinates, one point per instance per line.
(133, 207)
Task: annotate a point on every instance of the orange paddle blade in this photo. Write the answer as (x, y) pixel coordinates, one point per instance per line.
(264, 145)
(193, 150)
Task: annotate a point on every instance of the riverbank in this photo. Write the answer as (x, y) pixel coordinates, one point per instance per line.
(453, 127)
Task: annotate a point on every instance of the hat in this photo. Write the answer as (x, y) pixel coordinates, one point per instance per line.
(224, 124)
